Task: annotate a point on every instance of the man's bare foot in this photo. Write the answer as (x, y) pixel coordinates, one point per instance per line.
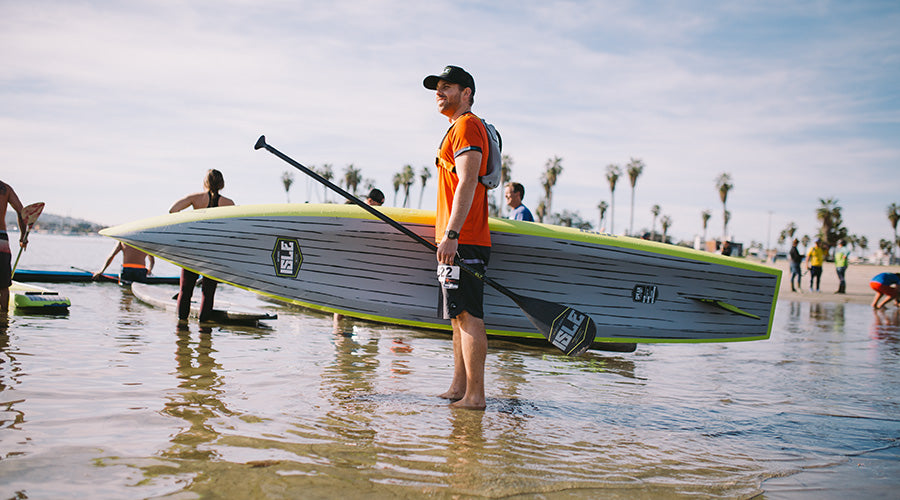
(464, 404)
(452, 395)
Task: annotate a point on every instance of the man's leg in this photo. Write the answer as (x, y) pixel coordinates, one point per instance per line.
(458, 384)
(4, 299)
(473, 344)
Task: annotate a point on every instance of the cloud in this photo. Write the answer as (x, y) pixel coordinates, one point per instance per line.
(136, 100)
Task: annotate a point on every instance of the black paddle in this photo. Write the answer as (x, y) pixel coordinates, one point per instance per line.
(569, 330)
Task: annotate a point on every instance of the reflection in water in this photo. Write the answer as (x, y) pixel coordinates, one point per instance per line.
(10, 416)
(886, 329)
(198, 402)
(466, 452)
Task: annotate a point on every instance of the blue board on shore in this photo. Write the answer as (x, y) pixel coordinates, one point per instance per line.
(46, 276)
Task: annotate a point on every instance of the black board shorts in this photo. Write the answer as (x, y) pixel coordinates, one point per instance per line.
(132, 274)
(469, 296)
(5, 270)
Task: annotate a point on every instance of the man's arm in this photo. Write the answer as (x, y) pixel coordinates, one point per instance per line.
(16, 204)
(467, 166)
(109, 260)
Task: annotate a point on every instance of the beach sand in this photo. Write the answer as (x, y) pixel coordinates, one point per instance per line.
(858, 277)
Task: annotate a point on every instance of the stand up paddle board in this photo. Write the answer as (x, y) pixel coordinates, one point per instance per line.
(34, 299)
(223, 312)
(47, 276)
(339, 258)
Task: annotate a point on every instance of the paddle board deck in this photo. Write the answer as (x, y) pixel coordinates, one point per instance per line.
(34, 299)
(223, 312)
(339, 258)
(47, 276)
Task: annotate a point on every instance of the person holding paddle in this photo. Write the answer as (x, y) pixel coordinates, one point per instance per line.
(8, 197)
(213, 183)
(461, 230)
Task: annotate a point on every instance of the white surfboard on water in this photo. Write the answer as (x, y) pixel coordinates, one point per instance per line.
(339, 258)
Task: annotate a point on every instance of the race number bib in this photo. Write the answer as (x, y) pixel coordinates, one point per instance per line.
(448, 276)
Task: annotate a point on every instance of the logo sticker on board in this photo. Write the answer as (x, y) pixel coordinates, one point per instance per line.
(646, 294)
(286, 257)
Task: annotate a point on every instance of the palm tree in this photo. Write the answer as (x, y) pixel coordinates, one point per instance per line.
(612, 175)
(602, 206)
(352, 178)
(552, 169)
(407, 178)
(724, 185)
(666, 222)
(424, 175)
(541, 210)
(398, 181)
(327, 173)
(287, 178)
(655, 211)
(506, 164)
(705, 215)
(893, 214)
(634, 168)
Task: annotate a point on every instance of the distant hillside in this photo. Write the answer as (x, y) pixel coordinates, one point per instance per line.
(50, 223)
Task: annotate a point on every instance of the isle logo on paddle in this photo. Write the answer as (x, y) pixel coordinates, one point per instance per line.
(568, 329)
(287, 258)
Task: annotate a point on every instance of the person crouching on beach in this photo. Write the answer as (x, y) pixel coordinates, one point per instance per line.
(885, 285)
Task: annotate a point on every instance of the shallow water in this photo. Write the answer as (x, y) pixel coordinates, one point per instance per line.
(114, 401)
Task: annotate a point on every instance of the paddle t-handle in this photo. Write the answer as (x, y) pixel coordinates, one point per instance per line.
(568, 329)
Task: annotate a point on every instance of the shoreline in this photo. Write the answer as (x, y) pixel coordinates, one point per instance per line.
(857, 277)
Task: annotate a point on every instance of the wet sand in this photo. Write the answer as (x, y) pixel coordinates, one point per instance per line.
(858, 277)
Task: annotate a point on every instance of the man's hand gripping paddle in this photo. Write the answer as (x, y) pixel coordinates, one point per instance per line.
(568, 329)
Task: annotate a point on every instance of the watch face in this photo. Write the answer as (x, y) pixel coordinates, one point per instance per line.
(451, 234)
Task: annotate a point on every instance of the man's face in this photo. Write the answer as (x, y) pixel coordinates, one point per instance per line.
(512, 198)
(449, 97)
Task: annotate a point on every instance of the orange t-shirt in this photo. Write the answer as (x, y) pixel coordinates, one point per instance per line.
(466, 134)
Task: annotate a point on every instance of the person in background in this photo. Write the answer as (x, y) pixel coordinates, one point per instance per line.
(136, 265)
(814, 260)
(726, 248)
(8, 197)
(213, 183)
(375, 198)
(514, 194)
(885, 285)
(841, 261)
(461, 230)
(796, 259)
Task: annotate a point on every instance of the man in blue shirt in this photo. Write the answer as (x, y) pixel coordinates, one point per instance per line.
(514, 194)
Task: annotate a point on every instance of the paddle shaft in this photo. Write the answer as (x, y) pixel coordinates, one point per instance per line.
(261, 143)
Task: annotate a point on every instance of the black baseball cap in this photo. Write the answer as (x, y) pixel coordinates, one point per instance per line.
(376, 195)
(452, 74)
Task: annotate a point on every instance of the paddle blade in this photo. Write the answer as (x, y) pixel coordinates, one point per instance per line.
(571, 331)
(31, 213)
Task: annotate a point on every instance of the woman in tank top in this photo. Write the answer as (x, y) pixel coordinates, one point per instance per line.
(210, 198)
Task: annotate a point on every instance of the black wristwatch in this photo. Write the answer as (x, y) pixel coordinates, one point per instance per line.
(451, 234)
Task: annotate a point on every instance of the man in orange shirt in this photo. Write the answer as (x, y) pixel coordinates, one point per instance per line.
(461, 228)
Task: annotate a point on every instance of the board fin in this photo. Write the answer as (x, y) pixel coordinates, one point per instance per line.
(724, 305)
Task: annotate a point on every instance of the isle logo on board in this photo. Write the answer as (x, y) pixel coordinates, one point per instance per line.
(286, 257)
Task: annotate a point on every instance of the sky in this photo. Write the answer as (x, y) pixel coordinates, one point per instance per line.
(111, 111)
